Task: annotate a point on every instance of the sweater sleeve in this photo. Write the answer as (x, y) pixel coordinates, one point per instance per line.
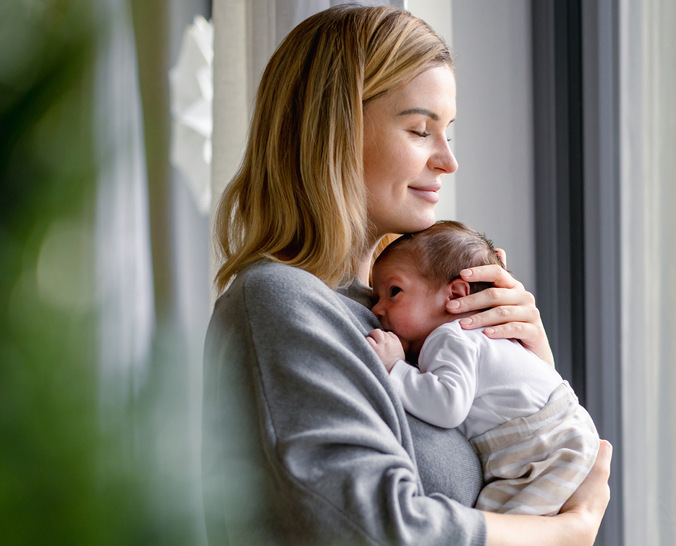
(333, 451)
(442, 390)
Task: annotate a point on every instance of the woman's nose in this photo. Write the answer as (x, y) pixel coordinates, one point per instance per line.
(444, 159)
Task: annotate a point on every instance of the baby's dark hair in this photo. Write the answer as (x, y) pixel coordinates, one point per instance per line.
(440, 252)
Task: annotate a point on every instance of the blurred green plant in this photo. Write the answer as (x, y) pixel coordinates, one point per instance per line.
(64, 479)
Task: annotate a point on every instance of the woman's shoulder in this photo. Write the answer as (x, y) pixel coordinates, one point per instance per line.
(265, 284)
(275, 291)
(266, 278)
(266, 269)
(268, 275)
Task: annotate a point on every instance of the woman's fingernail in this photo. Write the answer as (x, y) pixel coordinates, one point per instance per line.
(466, 321)
(489, 331)
(466, 273)
(454, 304)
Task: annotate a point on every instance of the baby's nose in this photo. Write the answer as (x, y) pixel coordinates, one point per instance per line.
(378, 310)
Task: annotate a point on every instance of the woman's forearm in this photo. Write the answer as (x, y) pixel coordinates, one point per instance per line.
(519, 530)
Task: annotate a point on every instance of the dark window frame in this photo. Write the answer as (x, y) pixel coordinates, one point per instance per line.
(577, 195)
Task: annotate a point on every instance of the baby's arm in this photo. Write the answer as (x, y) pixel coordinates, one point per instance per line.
(441, 392)
(387, 346)
(442, 388)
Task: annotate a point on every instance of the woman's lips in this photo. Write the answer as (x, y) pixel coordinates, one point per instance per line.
(428, 194)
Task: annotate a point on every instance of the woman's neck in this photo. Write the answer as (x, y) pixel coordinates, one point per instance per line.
(363, 273)
(364, 264)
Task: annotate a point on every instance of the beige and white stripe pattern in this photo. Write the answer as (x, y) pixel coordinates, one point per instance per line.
(533, 464)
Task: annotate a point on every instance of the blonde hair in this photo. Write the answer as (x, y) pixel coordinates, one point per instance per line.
(299, 195)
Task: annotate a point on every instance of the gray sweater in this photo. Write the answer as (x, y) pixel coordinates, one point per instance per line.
(305, 441)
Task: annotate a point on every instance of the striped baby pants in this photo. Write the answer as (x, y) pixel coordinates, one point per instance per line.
(533, 464)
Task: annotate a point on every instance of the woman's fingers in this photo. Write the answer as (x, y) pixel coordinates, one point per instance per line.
(509, 316)
(492, 273)
(522, 330)
(524, 325)
(588, 503)
(494, 297)
(594, 493)
(502, 255)
(507, 310)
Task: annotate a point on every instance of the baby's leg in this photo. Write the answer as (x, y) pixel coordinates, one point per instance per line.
(533, 468)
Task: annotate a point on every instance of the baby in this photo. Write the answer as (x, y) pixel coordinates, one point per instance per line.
(536, 443)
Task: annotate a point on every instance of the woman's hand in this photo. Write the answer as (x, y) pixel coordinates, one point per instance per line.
(510, 309)
(590, 500)
(578, 521)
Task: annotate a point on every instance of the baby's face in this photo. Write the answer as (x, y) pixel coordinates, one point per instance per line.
(406, 304)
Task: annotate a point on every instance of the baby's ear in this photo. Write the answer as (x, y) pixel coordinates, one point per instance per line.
(457, 288)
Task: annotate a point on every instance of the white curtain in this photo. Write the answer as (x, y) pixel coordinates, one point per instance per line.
(131, 337)
(246, 34)
(123, 260)
(648, 189)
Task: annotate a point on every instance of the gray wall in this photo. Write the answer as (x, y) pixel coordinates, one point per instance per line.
(493, 138)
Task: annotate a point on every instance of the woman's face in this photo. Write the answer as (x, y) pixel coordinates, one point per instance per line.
(406, 151)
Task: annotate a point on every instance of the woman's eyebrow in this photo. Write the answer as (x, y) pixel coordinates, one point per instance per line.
(423, 111)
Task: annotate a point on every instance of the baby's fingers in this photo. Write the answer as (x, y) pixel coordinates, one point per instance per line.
(376, 336)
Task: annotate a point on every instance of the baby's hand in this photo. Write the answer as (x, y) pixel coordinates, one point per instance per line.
(387, 346)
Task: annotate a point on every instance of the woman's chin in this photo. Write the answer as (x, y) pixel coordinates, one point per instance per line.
(407, 225)
(421, 224)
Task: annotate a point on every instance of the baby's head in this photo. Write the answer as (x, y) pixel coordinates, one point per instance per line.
(417, 274)
(439, 253)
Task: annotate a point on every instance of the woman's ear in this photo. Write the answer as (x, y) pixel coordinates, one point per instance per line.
(457, 288)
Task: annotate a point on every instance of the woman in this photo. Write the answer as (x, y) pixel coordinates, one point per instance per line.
(305, 440)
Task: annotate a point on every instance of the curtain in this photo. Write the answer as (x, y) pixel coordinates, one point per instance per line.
(123, 260)
(648, 193)
(152, 263)
(245, 36)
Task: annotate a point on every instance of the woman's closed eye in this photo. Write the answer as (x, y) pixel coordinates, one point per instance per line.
(421, 134)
